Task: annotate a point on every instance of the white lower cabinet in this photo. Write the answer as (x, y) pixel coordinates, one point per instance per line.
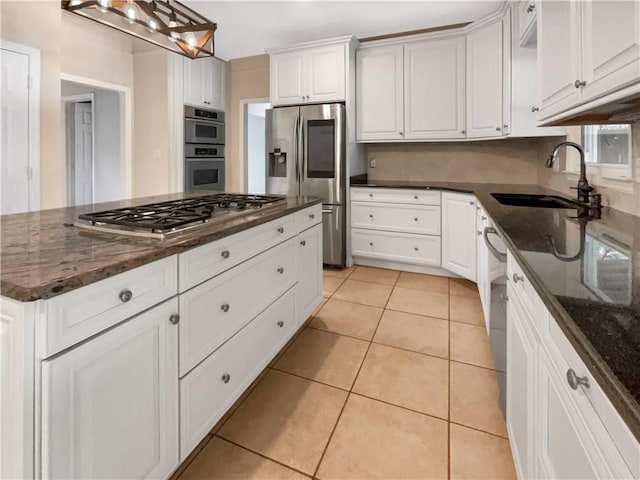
(459, 234)
(422, 219)
(396, 247)
(210, 389)
(110, 405)
(309, 264)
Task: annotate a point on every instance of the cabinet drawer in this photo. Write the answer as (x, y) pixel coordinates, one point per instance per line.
(215, 310)
(205, 395)
(308, 217)
(424, 219)
(81, 313)
(207, 261)
(396, 247)
(611, 433)
(396, 195)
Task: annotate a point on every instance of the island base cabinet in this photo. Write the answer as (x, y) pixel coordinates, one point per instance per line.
(309, 264)
(208, 391)
(110, 405)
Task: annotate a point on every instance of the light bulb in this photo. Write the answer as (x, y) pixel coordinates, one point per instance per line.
(130, 11)
(73, 3)
(103, 5)
(153, 25)
(190, 38)
(173, 24)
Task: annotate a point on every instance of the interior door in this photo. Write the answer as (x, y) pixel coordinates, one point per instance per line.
(323, 152)
(83, 152)
(281, 155)
(14, 154)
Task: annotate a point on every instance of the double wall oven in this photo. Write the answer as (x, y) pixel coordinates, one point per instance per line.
(203, 149)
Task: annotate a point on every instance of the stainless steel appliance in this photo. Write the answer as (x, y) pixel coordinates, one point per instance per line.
(203, 150)
(204, 167)
(164, 219)
(306, 155)
(498, 312)
(203, 126)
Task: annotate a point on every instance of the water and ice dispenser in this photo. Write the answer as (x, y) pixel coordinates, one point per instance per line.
(277, 163)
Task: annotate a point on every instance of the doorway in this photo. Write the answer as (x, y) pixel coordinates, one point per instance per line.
(94, 143)
(254, 146)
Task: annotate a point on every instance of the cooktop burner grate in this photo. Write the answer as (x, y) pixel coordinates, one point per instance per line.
(166, 216)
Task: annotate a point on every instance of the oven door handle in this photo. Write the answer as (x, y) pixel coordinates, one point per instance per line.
(499, 255)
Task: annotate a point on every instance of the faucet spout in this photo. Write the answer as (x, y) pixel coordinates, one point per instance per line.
(583, 187)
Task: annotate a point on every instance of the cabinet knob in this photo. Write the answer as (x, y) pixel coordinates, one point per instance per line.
(498, 129)
(280, 270)
(280, 229)
(125, 295)
(225, 254)
(471, 202)
(226, 377)
(312, 216)
(505, 126)
(415, 248)
(371, 215)
(399, 133)
(224, 307)
(463, 132)
(281, 324)
(415, 197)
(534, 109)
(483, 217)
(531, 8)
(415, 219)
(517, 278)
(575, 381)
(479, 233)
(371, 244)
(579, 83)
(371, 195)
(174, 319)
(303, 242)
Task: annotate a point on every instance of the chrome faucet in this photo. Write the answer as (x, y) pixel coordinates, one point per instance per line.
(583, 188)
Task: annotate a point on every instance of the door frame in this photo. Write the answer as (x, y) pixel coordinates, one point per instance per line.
(242, 133)
(126, 124)
(66, 101)
(34, 118)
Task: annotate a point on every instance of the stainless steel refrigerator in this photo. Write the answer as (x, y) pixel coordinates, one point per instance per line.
(306, 155)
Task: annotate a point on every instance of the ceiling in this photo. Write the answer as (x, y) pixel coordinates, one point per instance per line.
(249, 27)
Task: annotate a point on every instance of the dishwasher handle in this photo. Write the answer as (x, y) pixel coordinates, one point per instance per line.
(499, 255)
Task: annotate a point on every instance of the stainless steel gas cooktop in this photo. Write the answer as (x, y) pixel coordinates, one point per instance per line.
(163, 219)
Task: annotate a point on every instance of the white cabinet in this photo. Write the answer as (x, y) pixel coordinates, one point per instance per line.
(484, 82)
(586, 51)
(521, 388)
(309, 265)
(526, 22)
(406, 248)
(309, 75)
(610, 46)
(422, 219)
(204, 82)
(110, 405)
(434, 79)
(379, 93)
(459, 234)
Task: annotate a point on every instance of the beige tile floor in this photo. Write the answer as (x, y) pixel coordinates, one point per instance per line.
(391, 378)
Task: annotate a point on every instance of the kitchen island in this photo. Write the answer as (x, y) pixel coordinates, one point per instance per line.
(120, 353)
(573, 324)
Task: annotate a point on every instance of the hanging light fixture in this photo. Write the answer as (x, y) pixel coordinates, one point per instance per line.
(166, 23)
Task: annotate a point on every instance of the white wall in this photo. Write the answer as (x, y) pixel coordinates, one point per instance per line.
(109, 168)
(255, 147)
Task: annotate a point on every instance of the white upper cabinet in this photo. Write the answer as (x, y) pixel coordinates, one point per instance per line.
(526, 23)
(558, 56)
(610, 46)
(204, 82)
(309, 75)
(379, 93)
(484, 82)
(459, 234)
(434, 80)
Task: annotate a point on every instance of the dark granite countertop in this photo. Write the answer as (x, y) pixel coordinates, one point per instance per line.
(594, 296)
(43, 255)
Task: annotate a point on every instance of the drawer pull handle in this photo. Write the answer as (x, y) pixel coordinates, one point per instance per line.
(280, 270)
(224, 307)
(575, 381)
(280, 229)
(517, 278)
(125, 295)
(174, 319)
(303, 243)
(281, 324)
(226, 377)
(225, 254)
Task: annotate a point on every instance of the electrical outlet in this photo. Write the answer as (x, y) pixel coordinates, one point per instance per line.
(372, 162)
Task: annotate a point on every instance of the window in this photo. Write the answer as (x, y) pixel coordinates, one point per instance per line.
(608, 147)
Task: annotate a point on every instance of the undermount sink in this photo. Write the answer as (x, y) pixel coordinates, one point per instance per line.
(533, 200)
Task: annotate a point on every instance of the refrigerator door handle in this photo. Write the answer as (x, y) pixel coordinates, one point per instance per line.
(301, 147)
(295, 148)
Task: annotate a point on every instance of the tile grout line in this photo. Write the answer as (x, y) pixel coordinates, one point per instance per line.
(449, 387)
(315, 473)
